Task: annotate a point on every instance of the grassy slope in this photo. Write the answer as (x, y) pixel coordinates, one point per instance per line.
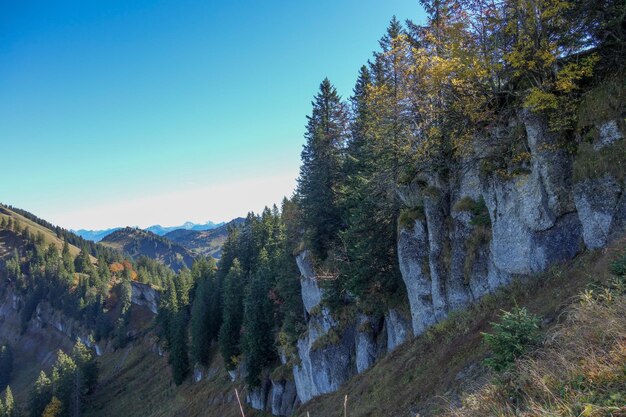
(49, 236)
(413, 379)
(136, 382)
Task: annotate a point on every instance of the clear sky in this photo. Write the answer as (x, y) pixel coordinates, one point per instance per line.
(117, 112)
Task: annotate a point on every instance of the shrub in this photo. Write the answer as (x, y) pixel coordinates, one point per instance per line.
(514, 335)
(618, 267)
(408, 216)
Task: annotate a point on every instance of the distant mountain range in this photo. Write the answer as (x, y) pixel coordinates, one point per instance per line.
(204, 242)
(98, 235)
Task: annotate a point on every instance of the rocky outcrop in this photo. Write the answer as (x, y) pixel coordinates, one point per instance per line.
(398, 329)
(326, 352)
(283, 397)
(467, 235)
(370, 341)
(599, 196)
(478, 231)
(145, 295)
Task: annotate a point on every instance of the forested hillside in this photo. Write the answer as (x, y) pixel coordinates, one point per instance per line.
(139, 243)
(203, 242)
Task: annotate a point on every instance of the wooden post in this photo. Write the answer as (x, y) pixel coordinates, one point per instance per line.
(239, 401)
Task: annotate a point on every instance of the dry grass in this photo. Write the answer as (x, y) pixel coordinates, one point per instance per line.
(580, 371)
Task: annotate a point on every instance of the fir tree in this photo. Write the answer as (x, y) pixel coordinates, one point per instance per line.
(6, 365)
(320, 173)
(40, 395)
(232, 315)
(258, 341)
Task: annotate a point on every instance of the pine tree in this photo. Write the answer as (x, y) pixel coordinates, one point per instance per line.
(6, 365)
(64, 376)
(40, 395)
(258, 340)
(203, 323)
(179, 353)
(10, 409)
(87, 366)
(320, 173)
(232, 315)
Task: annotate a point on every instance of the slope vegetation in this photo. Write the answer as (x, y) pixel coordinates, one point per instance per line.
(425, 376)
(137, 243)
(49, 236)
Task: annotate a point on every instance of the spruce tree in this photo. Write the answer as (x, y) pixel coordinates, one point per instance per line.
(232, 315)
(320, 173)
(179, 352)
(6, 365)
(40, 395)
(64, 376)
(10, 409)
(258, 340)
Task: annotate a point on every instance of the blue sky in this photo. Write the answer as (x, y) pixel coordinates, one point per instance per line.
(117, 112)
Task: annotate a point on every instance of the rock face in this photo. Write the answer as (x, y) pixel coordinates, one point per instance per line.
(145, 295)
(451, 255)
(470, 232)
(325, 363)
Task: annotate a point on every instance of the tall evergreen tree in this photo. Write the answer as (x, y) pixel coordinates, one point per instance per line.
(230, 330)
(258, 340)
(6, 365)
(40, 395)
(320, 173)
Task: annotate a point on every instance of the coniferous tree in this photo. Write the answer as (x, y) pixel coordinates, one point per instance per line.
(232, 315)
(6, 365)
(87, 365)
(40, 395)
(203, 323)
(258, 340)
(64, 376)
(179, 351)
(320, 173)
(10, 409)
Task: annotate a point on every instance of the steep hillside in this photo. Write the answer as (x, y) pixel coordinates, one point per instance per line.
(204, 242)
(137, 242)
(423, 375)
(49, 236)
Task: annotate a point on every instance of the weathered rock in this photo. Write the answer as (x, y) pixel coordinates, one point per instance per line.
(415, 270)
(525, 241)
(145, 295)
(366, 346)
(324, 365)
(311, 292)
(257, 396)
(435, 211)
(398, 329)
(283, 398)
(597, 203)
(198, 373)
(609, 134)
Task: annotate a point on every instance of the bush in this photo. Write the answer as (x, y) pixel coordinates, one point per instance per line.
(514, 335)
(408, 216)
(618, 267)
